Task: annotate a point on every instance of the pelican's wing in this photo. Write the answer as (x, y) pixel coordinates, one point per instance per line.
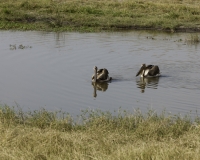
(99, 71)
(154, 71)
(102, 76)
(149, 66)
(106, 70)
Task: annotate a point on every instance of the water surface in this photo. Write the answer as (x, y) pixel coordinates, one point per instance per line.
(54, 71)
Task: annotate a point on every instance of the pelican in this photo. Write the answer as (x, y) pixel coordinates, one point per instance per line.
(148, 71)
(101, 75)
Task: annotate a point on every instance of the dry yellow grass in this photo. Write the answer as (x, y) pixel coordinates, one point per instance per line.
(100, 136)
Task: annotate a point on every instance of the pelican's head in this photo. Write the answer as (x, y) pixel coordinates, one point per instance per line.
(95, 68)
(142, 68)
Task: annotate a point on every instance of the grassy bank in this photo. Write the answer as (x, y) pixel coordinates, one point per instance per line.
(100, 135)
(92, 15)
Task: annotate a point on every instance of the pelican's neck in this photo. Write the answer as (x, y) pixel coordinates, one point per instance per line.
(143, 73)
(95, 75)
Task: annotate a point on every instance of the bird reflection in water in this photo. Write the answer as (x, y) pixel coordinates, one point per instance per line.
(150, 82)
(100, 86)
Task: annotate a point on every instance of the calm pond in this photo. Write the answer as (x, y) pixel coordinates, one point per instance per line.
(53, 71)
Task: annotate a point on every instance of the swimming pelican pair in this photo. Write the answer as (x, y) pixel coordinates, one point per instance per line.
(102, 75)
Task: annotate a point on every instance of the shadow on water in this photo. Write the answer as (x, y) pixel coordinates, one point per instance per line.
(100, 87)
(143, 83)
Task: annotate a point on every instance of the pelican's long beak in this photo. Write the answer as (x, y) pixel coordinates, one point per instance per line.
(140, 71)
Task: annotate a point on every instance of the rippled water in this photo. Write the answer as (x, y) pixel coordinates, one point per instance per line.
(54, 70)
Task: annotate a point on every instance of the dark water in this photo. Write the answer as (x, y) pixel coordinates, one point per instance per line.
(54, 70)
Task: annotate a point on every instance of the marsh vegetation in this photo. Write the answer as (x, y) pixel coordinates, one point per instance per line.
(90, 15)
(193, 39)
(97, 135)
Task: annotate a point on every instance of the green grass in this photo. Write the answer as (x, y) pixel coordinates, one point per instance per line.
(97, 135)
(90, 15)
